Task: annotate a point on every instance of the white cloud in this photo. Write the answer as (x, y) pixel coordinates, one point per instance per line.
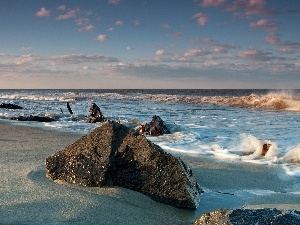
(23, 59)
(265, 24)
(252, 7)
(43, 12)
(88, 28)
(61, 7)
(80, 58)
(119, 23)
(201, 18)
(195, 52)
(220, 49)
(212, 3)
(255, 54)
(102, 37)
(273, 38)
(160, 52)
(287, 51)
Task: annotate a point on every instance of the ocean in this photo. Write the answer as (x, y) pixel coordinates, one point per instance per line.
(223, 125)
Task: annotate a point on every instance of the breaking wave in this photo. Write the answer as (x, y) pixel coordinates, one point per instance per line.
(271, 101)
(293, 155)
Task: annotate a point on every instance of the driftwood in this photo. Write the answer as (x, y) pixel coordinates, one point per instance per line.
(10, 106)
(33, 118)
(69, 108)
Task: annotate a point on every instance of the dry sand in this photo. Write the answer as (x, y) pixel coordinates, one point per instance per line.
(27, 197)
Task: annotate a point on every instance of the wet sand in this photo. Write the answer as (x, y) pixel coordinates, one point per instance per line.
(28, 197)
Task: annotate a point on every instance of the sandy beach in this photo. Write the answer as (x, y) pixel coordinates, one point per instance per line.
(28, 197)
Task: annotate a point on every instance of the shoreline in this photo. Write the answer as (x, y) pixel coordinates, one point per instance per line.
(25, 189)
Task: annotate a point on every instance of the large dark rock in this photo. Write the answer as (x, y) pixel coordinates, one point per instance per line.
(113, 155)
(265, 216)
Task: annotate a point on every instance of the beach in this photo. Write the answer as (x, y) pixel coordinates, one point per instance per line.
(28, 197)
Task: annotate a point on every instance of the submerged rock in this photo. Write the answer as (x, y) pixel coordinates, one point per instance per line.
(113, 155)
(265, 216)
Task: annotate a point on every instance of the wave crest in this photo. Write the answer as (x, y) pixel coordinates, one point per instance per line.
(271, 101)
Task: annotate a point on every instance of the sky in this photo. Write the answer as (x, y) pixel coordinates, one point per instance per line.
(116, 44)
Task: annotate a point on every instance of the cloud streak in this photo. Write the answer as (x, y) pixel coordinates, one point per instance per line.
(274, 39)
(69, 15)
(251, 7)
(212, 3)
(77, 59)
(265, 24)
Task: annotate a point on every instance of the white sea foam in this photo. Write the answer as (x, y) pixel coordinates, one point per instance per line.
(251, 147)
(293, 155)
(291, 170)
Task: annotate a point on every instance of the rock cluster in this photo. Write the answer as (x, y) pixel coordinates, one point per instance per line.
(265, 216)
(112, 154)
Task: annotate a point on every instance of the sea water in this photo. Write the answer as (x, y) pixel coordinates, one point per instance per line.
(224, 124)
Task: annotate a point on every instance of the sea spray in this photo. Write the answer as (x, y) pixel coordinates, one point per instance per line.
(251, 147)
(292, 155)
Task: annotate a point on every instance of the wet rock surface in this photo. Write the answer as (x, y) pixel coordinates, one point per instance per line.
(114, 155)
(265, 216)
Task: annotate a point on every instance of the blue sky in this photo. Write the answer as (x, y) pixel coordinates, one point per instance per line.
(150, 44)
